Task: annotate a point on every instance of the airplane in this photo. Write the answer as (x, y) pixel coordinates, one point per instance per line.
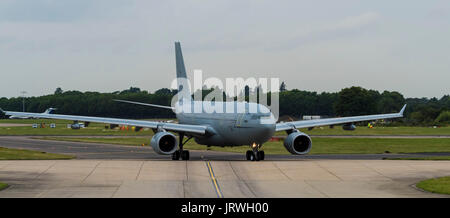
(219, 129)
(19, 117)
(48, 111)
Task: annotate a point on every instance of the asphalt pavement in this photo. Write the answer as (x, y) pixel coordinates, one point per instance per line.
(106, 151)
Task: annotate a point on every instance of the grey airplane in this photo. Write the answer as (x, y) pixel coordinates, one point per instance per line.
(48, 111)
(218, 129)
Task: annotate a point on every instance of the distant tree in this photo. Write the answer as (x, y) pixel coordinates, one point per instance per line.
(390, 102)
(131, 90)
(163, 91)
(356, 101)
(58, 91)
(294, 103)
(443, 118)
(445, 102)
(283, 87)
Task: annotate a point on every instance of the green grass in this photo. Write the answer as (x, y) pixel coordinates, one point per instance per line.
(3, 186)
(31, 121)
(20, 154)
(57, 121)
(421, 158)
(438, 185)
(61, 129)
(320, 145)
(99, 129)
(135, 141)
(403, 130)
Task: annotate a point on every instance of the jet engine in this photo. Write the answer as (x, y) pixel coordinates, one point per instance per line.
(164, 143)
(298, 143)
(349, 127)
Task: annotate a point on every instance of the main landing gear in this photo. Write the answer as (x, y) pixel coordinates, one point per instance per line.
(184, 154)
(255, 154)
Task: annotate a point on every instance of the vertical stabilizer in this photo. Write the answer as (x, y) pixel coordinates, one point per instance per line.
(182, 81)
(181, 70)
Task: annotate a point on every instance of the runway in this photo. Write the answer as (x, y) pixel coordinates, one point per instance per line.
(105, 151)
(102, 170)
(241, 179)
(13, 124)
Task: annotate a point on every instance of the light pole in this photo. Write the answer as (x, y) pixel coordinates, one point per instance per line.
(23, 100)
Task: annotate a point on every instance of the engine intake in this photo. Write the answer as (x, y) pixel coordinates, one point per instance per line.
(164, 143)
(298, 143)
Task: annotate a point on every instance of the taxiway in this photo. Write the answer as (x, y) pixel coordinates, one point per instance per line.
(241, 179)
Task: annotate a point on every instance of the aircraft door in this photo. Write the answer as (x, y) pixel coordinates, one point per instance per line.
(239, 120)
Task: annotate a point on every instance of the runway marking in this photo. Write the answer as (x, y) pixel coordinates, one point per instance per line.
(240, 179)
(376, 171)
(282, 172)
(51, 165)
(92, 171)
(140, 169)
(329, 171)
(213, 180)
(313, 187)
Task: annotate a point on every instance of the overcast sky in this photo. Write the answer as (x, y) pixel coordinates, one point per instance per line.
(109, 45)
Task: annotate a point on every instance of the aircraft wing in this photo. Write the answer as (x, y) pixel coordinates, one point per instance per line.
(334, 121)
(145, 104)
(198, 129)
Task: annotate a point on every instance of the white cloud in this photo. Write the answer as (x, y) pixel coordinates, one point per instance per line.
(357, 21)
(126, 43)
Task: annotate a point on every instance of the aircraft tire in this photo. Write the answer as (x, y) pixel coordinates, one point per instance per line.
(248, 154)
(176, 155)
(256, 156)
(260, 155)
(185, 155)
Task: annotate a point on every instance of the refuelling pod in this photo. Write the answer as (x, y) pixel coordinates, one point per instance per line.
(349, 127)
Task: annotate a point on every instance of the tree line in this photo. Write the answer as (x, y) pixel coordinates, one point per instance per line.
(294, 104)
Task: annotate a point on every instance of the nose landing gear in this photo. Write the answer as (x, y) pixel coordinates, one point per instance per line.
(255, 154)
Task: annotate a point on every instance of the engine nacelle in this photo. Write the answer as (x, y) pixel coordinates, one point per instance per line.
(349, 127)
(298, 143)
(164, 143)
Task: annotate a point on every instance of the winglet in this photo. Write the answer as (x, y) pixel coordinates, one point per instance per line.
(402, 110)
(50, 110)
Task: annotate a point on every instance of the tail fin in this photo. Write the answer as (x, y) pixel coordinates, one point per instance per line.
(183, 83)
(50, 110)
(181, 70)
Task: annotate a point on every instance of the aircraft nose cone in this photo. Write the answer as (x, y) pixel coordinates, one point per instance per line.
(269, 127)
(267, 131)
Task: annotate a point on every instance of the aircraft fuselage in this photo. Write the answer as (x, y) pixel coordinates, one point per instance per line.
(230, 127)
